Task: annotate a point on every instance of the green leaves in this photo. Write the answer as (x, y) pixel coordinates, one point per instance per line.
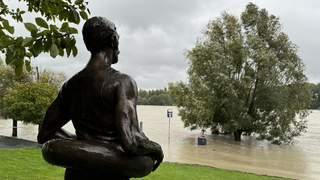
(42, 23)
(9, 28)
(29, 26)
(84, 15)
(37, 48)
(43, 37)
(74, 51)
(78, 2)
(27, 42)
(18, 70)
(74, 16)
(54, 51)
(29, 101)
(10, 56)
(68, 50)
(64, 27)
(28, 65)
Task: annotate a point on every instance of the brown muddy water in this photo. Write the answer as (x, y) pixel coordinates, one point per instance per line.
(299, 161)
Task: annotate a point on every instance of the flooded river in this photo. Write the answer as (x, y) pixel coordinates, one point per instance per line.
(300, 161)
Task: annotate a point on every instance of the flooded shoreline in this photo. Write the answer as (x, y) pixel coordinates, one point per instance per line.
(300, 161)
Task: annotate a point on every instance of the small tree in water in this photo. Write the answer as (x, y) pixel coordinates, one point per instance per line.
(245, 76)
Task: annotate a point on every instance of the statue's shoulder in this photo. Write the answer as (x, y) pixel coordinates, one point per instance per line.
(122, 78)
(126, 77)
(118, 83)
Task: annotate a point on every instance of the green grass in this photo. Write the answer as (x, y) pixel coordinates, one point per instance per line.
(170, 171)
(28, 164)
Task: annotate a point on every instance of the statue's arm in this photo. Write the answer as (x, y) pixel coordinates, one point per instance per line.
(55, 117)
(132, 139)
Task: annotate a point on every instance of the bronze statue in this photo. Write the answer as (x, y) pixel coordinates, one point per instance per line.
(101, 103)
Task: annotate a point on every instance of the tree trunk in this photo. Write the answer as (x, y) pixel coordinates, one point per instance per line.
(237, 135)
(14, 128)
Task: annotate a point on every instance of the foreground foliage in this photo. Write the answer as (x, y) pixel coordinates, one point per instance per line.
(27, 163)
(43, 37)
(245, 75)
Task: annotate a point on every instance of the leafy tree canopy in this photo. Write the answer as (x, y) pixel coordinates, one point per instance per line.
(29, 102)
(8, 78)
(43, 37)
(245, 75)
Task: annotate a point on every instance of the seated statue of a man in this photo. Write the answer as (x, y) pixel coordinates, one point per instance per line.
(101, 103)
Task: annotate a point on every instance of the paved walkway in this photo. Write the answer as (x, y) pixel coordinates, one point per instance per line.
(15, 143)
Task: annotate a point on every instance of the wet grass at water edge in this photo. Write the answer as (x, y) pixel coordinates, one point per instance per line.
(28, 164)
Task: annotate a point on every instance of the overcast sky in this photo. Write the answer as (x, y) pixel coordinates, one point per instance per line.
(154, 35)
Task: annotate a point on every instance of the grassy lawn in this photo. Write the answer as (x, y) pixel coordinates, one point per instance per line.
(28, 164)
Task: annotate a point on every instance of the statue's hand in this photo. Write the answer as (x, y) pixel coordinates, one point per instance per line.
(158, 159)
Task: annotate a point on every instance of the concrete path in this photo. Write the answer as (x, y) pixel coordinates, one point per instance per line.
(15, 143)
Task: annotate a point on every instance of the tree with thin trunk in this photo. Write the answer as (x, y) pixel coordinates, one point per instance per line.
(7, 80)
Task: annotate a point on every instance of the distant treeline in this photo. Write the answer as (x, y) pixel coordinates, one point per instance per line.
(160, 97)
(315, 93)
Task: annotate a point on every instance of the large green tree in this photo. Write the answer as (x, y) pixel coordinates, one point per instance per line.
(43, 37)
(245, 75)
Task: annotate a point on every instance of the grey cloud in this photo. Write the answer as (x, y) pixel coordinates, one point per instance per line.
(154, 34)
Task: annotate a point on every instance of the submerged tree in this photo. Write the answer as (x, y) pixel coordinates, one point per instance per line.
(245, 76)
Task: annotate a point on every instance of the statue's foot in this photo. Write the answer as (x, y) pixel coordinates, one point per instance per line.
(73, 174)
(88, 156)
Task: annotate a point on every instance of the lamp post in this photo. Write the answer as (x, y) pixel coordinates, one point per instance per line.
(169, 114)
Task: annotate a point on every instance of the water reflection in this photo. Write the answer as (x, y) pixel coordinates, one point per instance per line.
(300, 161)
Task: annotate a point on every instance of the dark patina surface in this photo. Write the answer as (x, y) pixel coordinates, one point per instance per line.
(101, 103)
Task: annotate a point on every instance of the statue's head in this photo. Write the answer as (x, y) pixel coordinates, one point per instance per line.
(99, 33)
